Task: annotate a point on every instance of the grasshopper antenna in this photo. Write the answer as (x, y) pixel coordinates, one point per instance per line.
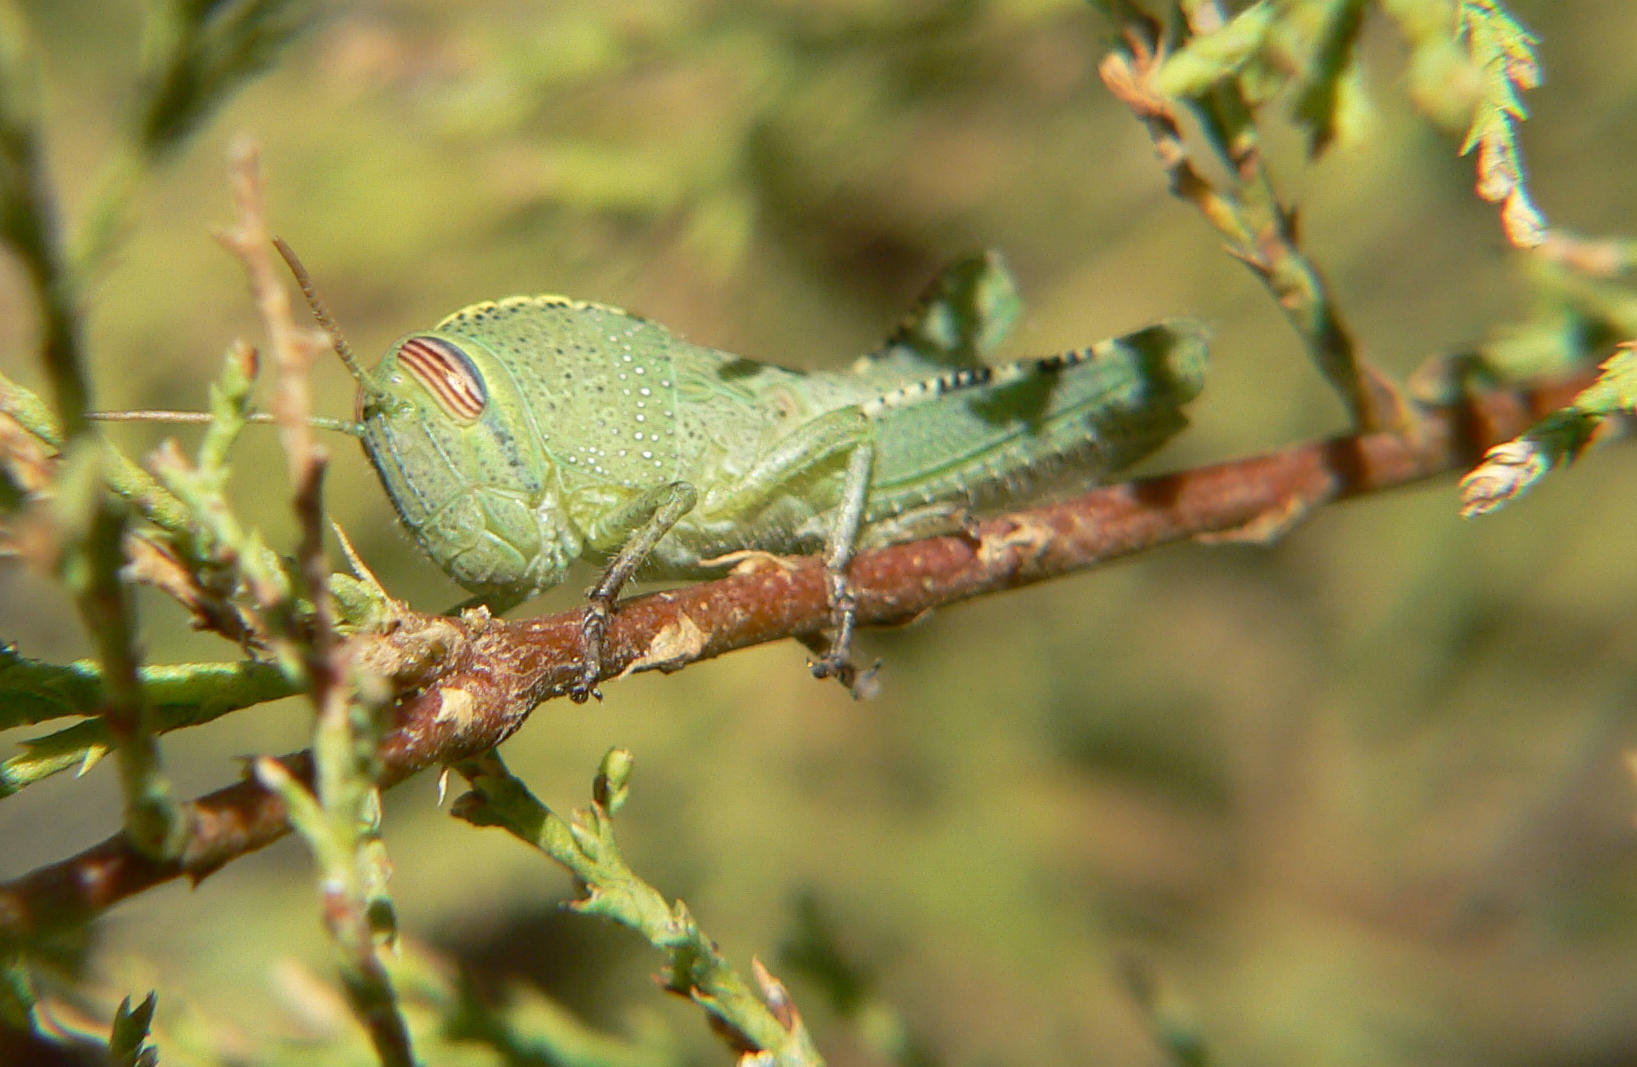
(346, 426)
(325, 323)
(322, 315)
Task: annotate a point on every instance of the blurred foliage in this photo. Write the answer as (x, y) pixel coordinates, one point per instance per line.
(1505, 55)
(1355, 798)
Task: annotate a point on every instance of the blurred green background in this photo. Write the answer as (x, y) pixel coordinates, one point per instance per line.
(1357, 798)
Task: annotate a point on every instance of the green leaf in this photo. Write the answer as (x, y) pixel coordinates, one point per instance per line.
(1207, 59)
(17, 1000)
(128, 1043)
(1332, 75)
(202, 52)
(1504, 54)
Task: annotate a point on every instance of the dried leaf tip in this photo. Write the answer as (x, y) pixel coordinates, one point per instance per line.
(1508, 471)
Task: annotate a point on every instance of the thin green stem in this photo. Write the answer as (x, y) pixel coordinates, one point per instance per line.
(177, 697)
(586, 846)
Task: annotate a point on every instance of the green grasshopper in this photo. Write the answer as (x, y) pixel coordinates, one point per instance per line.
(519, 436)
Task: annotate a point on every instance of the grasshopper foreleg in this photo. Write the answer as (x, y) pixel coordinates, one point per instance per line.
(642, 522)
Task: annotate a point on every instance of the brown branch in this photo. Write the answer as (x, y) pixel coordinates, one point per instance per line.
(479, 677)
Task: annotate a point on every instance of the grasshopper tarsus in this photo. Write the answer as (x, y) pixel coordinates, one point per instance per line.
(827, 666)
(835, 660)
(843, 617)
(593, 628)
(835, 656)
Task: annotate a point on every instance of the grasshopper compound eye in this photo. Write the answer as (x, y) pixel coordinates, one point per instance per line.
(447, 374)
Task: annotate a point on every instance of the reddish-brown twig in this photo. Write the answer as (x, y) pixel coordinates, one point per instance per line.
(487, 675)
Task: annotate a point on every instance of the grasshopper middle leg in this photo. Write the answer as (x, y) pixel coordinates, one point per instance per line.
(842, 542)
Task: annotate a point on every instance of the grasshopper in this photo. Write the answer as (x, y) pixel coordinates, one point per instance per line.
(522, 435)
(519, 436)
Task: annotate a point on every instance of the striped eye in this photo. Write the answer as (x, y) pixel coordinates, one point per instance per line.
(447, 374)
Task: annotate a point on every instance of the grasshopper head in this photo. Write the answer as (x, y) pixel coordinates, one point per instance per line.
(455, 447)
(454, 443)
